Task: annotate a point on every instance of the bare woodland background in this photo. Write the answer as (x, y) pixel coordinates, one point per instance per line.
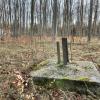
(49, 17)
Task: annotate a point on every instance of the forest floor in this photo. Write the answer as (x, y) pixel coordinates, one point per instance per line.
(17, 60)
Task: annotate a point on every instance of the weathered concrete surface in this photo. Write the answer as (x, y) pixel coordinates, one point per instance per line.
(80, 75)
(80, 70)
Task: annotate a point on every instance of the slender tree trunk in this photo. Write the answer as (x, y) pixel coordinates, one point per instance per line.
(95, 18)
(81, 15)
(90, 20)
(32, 14)
(55, 9)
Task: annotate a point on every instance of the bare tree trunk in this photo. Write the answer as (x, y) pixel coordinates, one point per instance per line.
(9, 11)
(44, 14)
(66, 17)
(54, 23)
(32, 14)
(40, 16)
(16, 20)
(95, 17)
(90, 20)
(81, 15)
(23, 15)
